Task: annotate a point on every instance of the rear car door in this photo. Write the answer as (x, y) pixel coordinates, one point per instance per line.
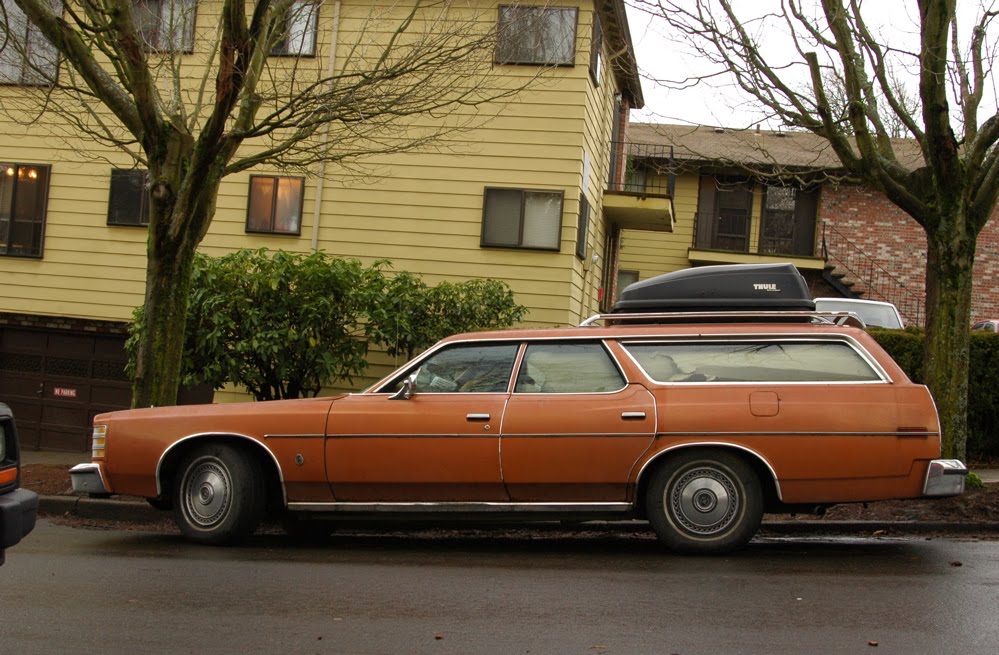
(574, 428)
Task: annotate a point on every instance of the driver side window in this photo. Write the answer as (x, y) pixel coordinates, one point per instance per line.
(467, 369)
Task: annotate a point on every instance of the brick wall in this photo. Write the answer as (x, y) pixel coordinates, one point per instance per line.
(898, 243)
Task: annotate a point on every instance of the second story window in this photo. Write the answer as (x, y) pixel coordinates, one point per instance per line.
(275, 204)
(518, 218)
(596, 50)
(582, 227)
(23, 195)
(166, 25)
(128, 202)
(537, 35)
(26, 57)
(298, 31)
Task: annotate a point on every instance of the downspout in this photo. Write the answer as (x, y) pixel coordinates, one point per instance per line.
(330, 65)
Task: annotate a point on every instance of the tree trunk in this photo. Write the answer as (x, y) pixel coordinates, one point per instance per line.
(158, 363)
(950, 252)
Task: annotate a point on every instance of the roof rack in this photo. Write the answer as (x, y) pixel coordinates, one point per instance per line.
(758, 316)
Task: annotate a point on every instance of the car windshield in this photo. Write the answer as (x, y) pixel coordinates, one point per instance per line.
(872, 313)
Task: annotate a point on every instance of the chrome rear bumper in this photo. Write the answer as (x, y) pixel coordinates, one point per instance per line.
(945, 477)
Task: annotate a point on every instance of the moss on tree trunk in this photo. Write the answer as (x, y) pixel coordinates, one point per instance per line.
(948, 335)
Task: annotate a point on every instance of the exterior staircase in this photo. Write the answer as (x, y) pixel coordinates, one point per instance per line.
(855, 274)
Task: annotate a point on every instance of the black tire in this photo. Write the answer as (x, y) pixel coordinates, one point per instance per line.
(219, 495)
(704, 501)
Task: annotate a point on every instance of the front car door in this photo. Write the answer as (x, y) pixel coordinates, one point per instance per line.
(441, 444)
(574, 427)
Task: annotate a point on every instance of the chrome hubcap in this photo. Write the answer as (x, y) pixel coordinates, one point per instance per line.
(704, 500)
(206, 493)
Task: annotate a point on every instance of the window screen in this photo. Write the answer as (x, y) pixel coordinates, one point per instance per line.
(537, 35)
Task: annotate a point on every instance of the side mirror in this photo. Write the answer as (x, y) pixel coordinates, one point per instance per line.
(406, 390)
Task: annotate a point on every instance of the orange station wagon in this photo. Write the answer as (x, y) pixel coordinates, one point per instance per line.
(726, 396)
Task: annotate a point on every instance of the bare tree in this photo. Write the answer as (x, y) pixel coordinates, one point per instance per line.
(782, 58)
(193, 103)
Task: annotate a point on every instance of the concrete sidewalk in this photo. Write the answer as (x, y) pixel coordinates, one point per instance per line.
(136, 510)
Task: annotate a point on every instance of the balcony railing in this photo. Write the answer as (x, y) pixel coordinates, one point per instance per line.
(643, 169)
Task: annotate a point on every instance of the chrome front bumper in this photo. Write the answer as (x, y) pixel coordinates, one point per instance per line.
(945, 477)
(87, 478)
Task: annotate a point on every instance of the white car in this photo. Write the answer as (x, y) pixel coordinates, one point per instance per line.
(872, 312)
(986, 326)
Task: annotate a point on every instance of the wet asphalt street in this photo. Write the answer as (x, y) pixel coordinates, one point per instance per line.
(67, 589)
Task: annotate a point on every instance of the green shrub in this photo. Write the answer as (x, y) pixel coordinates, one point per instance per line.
(282, 325)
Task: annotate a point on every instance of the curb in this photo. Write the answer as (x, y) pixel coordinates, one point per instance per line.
(138, 511)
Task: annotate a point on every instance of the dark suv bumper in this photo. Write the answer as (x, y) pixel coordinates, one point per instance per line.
(18, 511)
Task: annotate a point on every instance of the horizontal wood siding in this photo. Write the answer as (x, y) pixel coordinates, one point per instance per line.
(655, 253)
(422, 210)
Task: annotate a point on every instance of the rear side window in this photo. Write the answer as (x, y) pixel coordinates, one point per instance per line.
(752, 361)
(568, 368)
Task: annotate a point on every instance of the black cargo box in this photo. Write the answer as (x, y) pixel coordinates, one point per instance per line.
(736, 287)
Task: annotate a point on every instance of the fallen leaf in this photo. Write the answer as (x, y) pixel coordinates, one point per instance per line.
(872, 643)
(438, 637)
(956, 563)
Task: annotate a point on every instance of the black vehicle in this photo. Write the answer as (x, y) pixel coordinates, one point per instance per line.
(18, 507)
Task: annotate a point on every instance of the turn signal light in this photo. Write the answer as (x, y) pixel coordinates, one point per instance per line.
(8, 475)
(99, 441)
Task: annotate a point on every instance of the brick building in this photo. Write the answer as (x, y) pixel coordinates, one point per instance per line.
(730, 207)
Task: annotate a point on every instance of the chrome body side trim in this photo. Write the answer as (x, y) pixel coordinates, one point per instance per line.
(294, 436)
(198, 435)
(714, 444)
(458, 507)
(798, 434)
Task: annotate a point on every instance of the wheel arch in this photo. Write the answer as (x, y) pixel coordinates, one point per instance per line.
(763, 469)
(166, 467)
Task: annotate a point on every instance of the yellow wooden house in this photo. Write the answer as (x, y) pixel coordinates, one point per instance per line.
(531, 192)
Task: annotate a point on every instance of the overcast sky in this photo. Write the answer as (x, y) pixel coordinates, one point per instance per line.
(657, 54)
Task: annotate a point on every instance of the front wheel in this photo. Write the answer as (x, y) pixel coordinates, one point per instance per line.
(220, 496)
(705, 502)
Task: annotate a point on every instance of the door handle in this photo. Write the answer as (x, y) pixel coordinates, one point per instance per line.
(633, 416)
(477, 417)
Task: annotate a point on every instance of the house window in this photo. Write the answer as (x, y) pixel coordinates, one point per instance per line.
(787, 225)
(517, 218)
(166, 25)
(275, 204)
(596, 50)
(128, 202)
(582, 226)
(537, 35)
(23, 194)
(723, 213)
(298, 34)
(26, 57)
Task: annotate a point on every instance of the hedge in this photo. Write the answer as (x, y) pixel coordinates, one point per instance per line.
(906, 348)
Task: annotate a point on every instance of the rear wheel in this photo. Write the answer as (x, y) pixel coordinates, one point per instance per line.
(220, 495)
(705, 502)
